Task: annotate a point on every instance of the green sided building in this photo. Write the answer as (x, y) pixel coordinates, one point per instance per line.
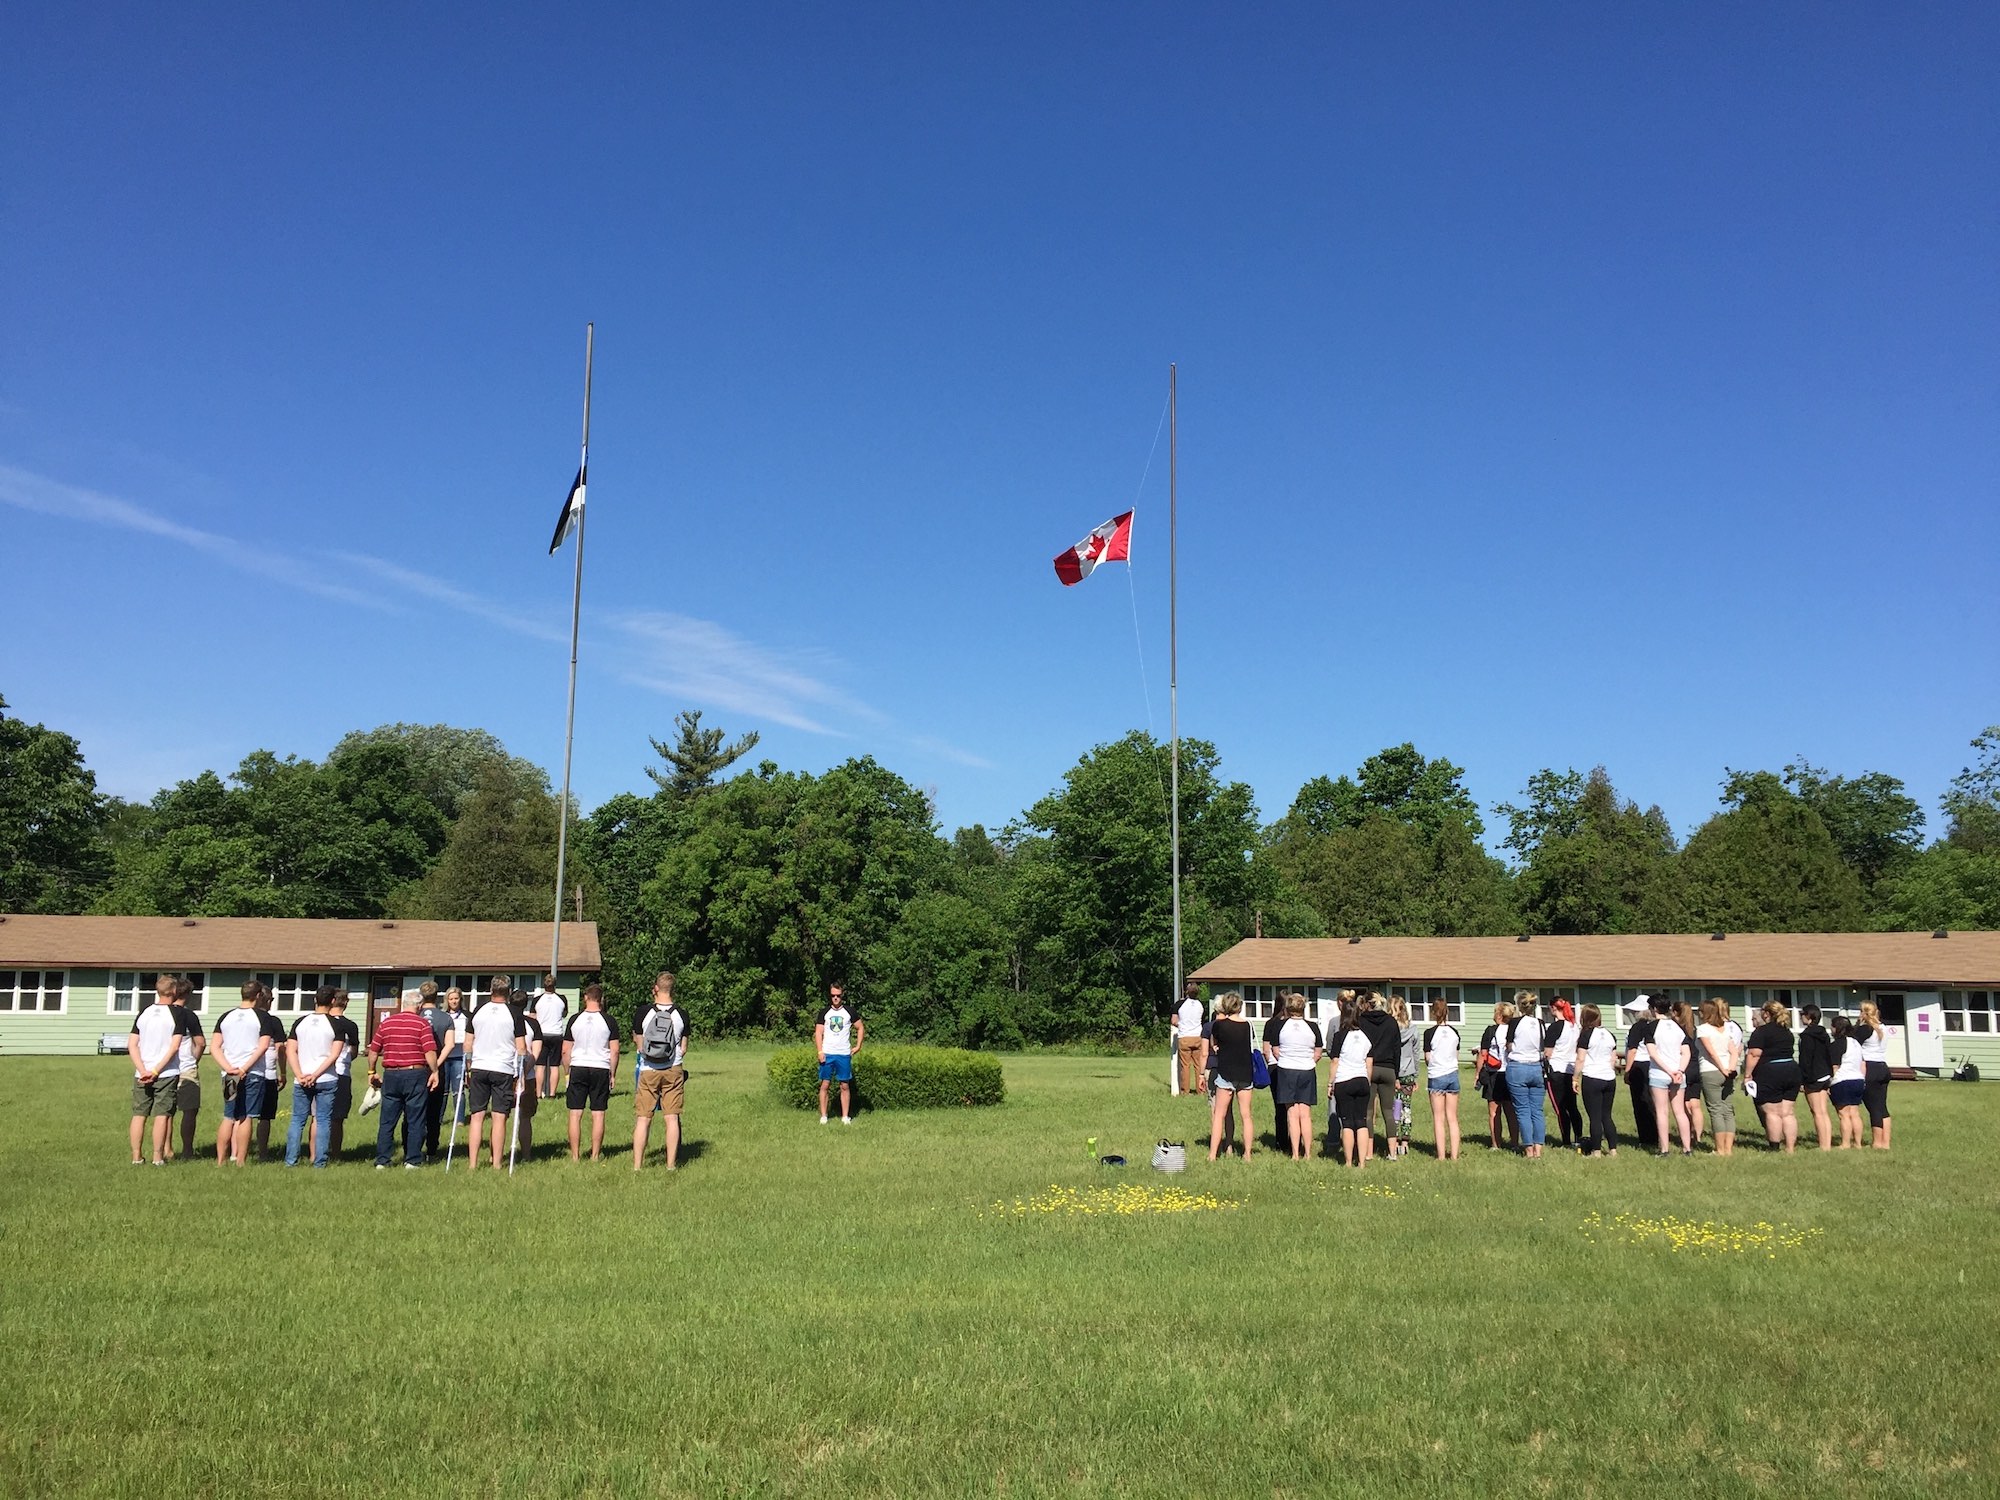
(72, 985)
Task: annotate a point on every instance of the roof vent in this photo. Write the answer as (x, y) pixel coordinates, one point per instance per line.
(387, 926)
(1938, 934)
(1718, 937)
(1354, 940)
(189, 922)
(1522, 938)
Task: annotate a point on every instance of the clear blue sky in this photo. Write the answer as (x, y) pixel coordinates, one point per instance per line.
(1559, 384)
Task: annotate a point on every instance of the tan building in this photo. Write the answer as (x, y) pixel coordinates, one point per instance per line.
(74, 984)
(1939, 992)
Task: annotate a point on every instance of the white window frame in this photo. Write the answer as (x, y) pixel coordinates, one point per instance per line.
(299, 993)
(11, 993)
(1419, 996)
(472, 987)
(144, 982)
(1964, 1007)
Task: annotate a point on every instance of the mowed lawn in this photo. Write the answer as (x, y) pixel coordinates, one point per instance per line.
(807, 1310)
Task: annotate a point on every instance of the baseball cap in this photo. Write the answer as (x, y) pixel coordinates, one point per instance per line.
(1638, 1002)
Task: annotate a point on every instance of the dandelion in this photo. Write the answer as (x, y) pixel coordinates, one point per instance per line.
(1707, 1238)
(1126, 1199)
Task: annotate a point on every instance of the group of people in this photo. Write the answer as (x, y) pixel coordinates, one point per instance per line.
(1683, 1070)
(491, 1065)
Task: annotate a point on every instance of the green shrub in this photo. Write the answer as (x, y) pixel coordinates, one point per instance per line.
(889, 1077)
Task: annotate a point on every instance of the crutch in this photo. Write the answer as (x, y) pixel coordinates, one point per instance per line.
(514, 1120)
(455, 1103)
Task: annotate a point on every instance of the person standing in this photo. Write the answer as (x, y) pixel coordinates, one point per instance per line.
(154, 1045)
(496, 1065)
(837, 1038)
(343, 1071)
(430, 1007)
(1524, 1075)
(551, 1010)
(659, 1037)
(1559, 1039)
(1295, 1077)
(1667, 1054)
(240, 1043)
(1491, 1080)
(1720, 1065)
(1597, 1068)
(187, 1098)
(1235, 1076)
(1350, 1083)
(274, 1074)
(1640, 1021)
(451, 1061)
(1188, 1044)
(1385, 1053)
(1815, 1072)
(1875, 1052)
(1850, 1072)
(589, 1063)
(313, 1050)
(1409, 1058)
(1774, 1076)
(405, 1067)
(1441, 1045)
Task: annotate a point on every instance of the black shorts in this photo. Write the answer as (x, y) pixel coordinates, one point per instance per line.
(589, 1088)
(270, 1107)
(343, 1096)
(490, 1093)
(1291, 1086)
(1777, 1083)
(1351, 1100)
(1816, 1086)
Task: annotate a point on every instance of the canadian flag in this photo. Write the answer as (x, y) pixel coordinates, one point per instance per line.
(1111, 542)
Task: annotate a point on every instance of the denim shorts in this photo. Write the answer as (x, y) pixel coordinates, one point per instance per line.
(1659, 1078)
(1222, 1085)
(1445, 1085)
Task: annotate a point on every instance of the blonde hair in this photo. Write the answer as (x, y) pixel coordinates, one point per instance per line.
(1399, 1009)
(1346, 997)
(1502, 1013)
(1714, 1010)
(1777, 1011)
(1228, 1005)
(1295, 1004)
(1870, 1015)
(1526, 1000)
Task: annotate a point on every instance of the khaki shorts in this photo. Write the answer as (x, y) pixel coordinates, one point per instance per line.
(187, 1098)
(661, 1089)
(155, 1098)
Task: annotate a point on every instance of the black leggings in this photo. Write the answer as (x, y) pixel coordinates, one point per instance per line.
(1644, 1126)
(1562, 1087)
(1350, 1103)
(1875, 1092)
(1599, 1094)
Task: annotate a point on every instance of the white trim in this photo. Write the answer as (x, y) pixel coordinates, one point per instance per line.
(145, 982)
(41, 991)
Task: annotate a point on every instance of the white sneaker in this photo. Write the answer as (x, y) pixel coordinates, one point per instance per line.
(822, 1120)
(845, 1120)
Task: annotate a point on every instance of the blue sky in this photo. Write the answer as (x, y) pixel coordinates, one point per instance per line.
(1559, 384)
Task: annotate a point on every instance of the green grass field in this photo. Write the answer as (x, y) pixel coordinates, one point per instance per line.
(806, 1310)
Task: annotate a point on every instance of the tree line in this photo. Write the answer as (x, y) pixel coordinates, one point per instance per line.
(762, 886)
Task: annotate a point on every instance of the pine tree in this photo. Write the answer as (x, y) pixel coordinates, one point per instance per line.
(696, 757)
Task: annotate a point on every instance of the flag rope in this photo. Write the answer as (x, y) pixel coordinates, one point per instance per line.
(1139, 640)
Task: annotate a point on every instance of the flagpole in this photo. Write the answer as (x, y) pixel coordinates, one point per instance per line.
(575, 619)
(1173, 652)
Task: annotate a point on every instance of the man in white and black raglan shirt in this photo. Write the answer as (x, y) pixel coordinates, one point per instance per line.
(314, 1052)
(241, 1040)
(551, 1010)
(187, 1099)
(499, 1043)
(837, 1038)
(154, 1046)
(590, 1061)
(659, 1036)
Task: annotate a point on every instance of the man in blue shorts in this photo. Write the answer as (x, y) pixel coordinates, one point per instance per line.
(241, 1040)
(837, 1038)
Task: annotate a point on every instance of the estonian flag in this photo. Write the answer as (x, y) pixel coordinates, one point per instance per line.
(572, 513)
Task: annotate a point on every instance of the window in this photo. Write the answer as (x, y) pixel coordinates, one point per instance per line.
(132, 990)
(42, 991)
(1969, 1010)
(1831, 1003)
(1419, 997)
(474, 987)
(294, 991)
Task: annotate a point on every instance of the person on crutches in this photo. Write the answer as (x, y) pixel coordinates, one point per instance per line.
(499, 1048)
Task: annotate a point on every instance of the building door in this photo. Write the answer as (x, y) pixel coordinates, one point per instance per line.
(1895, 1026)
(1924, 1030)
(385, 994)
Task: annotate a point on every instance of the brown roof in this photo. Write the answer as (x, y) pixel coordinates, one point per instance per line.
(288, 943)
(1914, 959)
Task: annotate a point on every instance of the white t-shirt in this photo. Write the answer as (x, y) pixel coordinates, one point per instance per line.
(1527, 1044)
(317, 1043)
(1356, 1059)
(494, 1028)
(1853, 1066)
(1666, 1046)
(158, 1029)
(275, 1030)
(188, 1059)
(837, 1034)
(236, 1036)
(1444, 1051)
(345, 1062)
(1188, 1018)
(550, 1009)
(590, 1036)
(1600, 1057)
(1875, 1046)
(1714, 1043)
(1298, 1040)
(1560, 1039)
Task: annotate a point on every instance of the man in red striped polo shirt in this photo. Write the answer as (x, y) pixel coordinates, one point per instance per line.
(406, 1067)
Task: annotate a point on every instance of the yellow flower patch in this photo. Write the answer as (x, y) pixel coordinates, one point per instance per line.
(1708, 1237)
(1127, 1198)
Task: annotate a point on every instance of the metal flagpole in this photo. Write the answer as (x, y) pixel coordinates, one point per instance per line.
(575, 619)
(1173, 652)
